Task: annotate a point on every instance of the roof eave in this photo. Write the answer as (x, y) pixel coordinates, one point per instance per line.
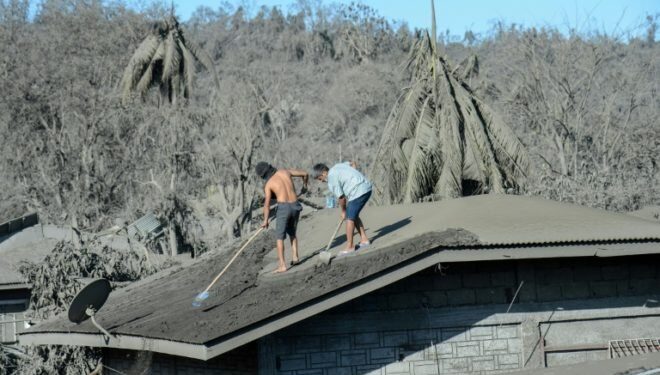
(118, 341)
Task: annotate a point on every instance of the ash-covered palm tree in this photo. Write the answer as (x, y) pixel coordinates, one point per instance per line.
(165, 58)
(440, 140)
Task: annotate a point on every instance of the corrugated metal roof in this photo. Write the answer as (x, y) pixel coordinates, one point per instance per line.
(148, 226)
(407, 238)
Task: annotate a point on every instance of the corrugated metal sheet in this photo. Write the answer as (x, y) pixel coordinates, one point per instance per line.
(507, 223)
(629, 347)
(148, 226)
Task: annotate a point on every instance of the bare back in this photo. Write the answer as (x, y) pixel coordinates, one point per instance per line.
(281, 185)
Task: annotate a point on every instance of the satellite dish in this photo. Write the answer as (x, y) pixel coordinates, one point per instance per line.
(88, 302)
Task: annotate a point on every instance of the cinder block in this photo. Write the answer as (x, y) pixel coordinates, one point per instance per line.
(336, 342)
(481, 333)
(508, 331)
(624, 288)
(338, 371)
(491, 295)
(405, 301)
(309, 372)
(476, 280)
(284, 346)
(645, 286)
(456, 365)
(308, 344)
(471, 350)
(420, 283)
(382, 355)
(437, 298)
(447, 282)
(527, 292)
(515, 346)
(398, 368)
(587, 273)
(505, 278)
(395, 338)
(575, 290)
(461, 297)
(618, 272)
(484, 363)
(370, 370)
(548, 292)
(292, 362)
(323, 359)
(366, 340)
(444, 350)
(372, 302)
(643, 271)
(508, 359)
(603, 289)
(553, 276)
(425, 368)
(411, 353)
(353, 358)
(423, 336)
(454, 334)
(496, 346)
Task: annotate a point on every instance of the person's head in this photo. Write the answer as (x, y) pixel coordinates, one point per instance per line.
(320, 172)
(264, 170)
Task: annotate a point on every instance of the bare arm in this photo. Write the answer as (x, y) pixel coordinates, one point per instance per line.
(302, 174)
(267, 193)
(342, 204)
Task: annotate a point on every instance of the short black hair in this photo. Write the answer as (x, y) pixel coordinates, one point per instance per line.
(264, 170)
(318, 170)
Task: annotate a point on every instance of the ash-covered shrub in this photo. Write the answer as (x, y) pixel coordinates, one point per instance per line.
(55, 282)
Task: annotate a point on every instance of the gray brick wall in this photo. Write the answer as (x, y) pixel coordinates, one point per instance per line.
(422, 343)
(476, 350)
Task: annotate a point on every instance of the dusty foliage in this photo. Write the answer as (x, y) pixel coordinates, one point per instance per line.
(7, 362)
(54, 284)
(166, 58)
(441, 140)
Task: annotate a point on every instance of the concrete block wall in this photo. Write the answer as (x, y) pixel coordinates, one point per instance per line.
(476, 350)
(410, 327)
(241, 361)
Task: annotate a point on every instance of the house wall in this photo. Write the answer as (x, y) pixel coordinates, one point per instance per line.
(13, 304)
(240, 361)
(453, 319)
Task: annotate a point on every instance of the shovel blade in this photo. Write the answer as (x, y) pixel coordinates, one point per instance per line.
(325, 256)
(201, 297)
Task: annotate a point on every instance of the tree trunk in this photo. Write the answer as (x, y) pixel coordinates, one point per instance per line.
(174, 246)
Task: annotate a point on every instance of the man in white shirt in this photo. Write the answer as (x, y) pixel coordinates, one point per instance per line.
(352, 190)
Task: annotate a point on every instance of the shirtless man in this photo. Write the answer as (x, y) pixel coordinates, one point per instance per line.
(279, 183)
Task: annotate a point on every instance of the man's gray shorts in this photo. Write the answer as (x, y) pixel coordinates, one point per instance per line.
(287, 219)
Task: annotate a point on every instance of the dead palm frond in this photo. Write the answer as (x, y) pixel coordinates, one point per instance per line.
(165, 58)
(440, 137)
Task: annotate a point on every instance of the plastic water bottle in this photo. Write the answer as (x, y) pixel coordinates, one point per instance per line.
(330, 201)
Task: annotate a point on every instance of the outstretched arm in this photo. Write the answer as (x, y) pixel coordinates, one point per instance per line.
(302, 174)
(267, 193)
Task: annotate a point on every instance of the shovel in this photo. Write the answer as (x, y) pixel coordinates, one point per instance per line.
(325, 255)
(201, 297)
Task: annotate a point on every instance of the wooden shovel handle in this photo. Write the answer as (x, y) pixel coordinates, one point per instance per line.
(334, 234)
(233, 258)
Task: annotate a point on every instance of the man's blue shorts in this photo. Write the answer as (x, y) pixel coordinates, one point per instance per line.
(354, 207)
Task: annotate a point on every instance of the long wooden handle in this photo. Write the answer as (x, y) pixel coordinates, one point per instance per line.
(233, 258)
(334, 234)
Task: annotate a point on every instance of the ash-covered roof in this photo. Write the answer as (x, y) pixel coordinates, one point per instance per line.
(28, 245)
(248, 302)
